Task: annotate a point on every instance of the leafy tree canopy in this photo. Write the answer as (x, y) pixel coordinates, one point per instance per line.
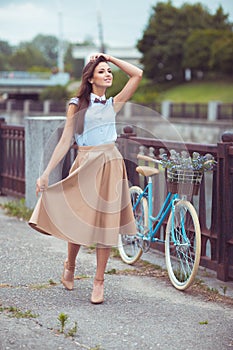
(40, 54)
(48, 46)
(5, 48)
(168, 34)
(27, 56)
(221, 58)
(54, 93)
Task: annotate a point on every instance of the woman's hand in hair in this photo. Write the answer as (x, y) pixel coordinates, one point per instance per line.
(97, 55)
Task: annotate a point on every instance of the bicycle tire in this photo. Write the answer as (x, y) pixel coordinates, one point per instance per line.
(183, 259)
(128, 246)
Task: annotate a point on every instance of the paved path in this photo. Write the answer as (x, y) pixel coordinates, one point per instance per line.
(139, 312)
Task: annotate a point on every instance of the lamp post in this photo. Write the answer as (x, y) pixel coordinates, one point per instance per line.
(60, 56)
(100, 28)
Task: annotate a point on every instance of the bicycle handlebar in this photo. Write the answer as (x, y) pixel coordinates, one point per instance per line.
(148, 159)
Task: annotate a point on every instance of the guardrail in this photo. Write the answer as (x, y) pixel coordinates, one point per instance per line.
(214, 203)
(30, 107)
(12, 159)
(197, 111)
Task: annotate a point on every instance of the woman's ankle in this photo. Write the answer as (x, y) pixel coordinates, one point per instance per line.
(99, 281)
(69, 265)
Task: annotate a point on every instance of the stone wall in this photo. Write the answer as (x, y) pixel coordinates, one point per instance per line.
(149, 123)
(41, 137)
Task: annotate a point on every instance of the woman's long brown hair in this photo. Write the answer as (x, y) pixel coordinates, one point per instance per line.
(85, 90)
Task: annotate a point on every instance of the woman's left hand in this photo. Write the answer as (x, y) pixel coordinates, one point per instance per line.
(42, 184)
(96, 55)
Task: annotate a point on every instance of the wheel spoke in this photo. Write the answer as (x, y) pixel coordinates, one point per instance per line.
(129, 246)
(183, 245)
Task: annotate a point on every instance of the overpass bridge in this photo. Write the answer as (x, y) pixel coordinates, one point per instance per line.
(25, 85)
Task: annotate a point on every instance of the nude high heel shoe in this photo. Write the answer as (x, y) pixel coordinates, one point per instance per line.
(68, 276)
(97, 296)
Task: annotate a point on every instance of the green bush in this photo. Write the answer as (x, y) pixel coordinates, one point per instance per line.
(18, 208)
(120, 79)
(54, 93)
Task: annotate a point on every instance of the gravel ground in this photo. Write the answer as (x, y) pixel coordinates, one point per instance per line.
(139, 312)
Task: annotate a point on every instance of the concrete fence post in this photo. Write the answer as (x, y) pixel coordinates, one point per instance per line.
(166, 109)
(26, 107)
(127, 111)
(41, 137)
(9, 106)
(46, 107)
(212, 114)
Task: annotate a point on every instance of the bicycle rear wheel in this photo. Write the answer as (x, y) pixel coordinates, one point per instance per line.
(129, 246)
(183, 245)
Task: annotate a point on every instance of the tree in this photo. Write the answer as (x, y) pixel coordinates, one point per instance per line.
(163, 41)
(222, 54)
(5, 52)
(220, 20)
(54, 93)
(48, 46)
(157, 42)
(70, 64)
(209, 50)
(38, 55)
(5, 48)
(26, 57)
(197, 48)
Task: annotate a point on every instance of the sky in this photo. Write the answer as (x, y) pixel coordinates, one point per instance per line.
(123, 21)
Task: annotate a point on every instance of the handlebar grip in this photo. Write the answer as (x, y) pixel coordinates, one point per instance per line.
(148, 159)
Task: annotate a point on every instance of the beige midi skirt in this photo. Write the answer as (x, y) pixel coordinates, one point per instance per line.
(92, 204)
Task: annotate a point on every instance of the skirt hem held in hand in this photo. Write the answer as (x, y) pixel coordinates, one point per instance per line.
(92, 204)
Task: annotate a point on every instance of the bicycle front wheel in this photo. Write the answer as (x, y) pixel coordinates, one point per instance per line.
(129, 246)
(183, 245)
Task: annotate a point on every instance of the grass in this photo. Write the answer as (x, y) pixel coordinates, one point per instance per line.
(50, 284)
(17, 313)
(63, 318)
(200, 92)
(204, 322)
(198, 288)
(18, 208)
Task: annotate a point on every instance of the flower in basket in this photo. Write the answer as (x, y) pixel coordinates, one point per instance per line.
(183, 168)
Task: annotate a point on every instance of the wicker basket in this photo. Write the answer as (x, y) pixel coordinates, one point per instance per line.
(183, 181)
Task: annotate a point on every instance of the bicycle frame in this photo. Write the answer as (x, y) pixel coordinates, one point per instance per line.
(182, 236)
(163, 212)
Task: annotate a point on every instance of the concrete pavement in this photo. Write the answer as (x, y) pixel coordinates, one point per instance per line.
(139, 312)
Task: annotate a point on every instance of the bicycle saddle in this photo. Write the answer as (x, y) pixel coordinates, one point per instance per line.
(147, 170)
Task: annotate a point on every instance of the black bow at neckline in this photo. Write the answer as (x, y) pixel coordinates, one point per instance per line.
(97, 100)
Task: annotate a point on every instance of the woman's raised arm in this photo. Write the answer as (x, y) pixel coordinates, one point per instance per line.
(135, 75)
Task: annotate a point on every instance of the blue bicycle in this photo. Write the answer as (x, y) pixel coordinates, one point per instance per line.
(183, 234)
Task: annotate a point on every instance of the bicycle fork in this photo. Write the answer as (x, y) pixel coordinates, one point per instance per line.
(150, 204)
(176, 238)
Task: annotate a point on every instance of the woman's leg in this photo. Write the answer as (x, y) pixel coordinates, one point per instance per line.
(102, 255)
(73, 250)
(69, 266)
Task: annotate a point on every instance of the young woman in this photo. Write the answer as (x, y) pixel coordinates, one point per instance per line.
(92, 204)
